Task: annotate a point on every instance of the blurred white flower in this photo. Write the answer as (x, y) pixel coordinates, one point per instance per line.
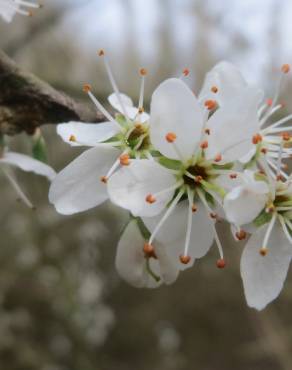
(9, 8)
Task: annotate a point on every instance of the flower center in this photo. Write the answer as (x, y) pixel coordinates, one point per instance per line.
(198, 173)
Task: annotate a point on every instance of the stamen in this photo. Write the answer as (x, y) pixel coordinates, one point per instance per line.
(104, 179)
(112, 169)
(264, 249)
(186, 72)
(204, 145)
(285, 68)
(166, 215)
(214, 89)
(218, 158)
(210, 104)
(167, 190)
(150, 199)
(194, 208)
(221, 263)
(72, 138)
(87, 89)
(257, 138)
(207, 131)
(170, 137)
(125, 159)
(143, 73)
(272, 127)
(209, 211)
(149, 251)
(233, 176)
(185, 257)
(113, 83)
(240, 235)
(28, 3)
(285, 229)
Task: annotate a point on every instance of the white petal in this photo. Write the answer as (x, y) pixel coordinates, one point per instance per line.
(228, 80)
(130, 260)
(263, 277)
(233, 126)
(78, 187)
(242, 206)
(174, 108)
(168, 269)
(115, 102)
(129, 187)
(173, 233)
(28, 164)
(131, 111)
(88, 134)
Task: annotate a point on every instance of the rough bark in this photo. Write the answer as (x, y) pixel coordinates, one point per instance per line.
(27, 102)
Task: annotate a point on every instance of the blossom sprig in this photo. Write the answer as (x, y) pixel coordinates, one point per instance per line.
(9, 8)
(179, 169)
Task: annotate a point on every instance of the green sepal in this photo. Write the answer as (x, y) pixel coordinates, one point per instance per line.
(121, 119)
(263, 218)
(226, 166)
(172, 164)
(39, 151)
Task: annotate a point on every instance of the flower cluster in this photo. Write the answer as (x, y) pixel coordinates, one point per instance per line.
(179, 168)
(9, 8)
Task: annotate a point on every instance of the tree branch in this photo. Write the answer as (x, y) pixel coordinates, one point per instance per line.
(26, 102)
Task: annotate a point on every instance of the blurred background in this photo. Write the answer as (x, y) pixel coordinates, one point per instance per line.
(62, 304)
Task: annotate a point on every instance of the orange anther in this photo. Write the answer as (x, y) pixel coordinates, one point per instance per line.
(143, 71)
(213, 215)
(204, 144)
(264, 150)
(72, 138)
(194, 208)
(280, 178)
(218, 158)
(101, 52)
(103, 179)
(149, 251)
(240, 235)
(263, 251)
(86, 88)
(285, 68)
(269, 102)
(256, 139)
(233, 176)
(170, 137)
(221, 263)
(207, 131)
(125, 159)
(214, 89)
(210, 104)
(198, 179)
(140, 110)
(186, 72)
(184, 259)
(150, 199)
(285, 136)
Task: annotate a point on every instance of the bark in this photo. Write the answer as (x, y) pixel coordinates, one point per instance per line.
(27, 102)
